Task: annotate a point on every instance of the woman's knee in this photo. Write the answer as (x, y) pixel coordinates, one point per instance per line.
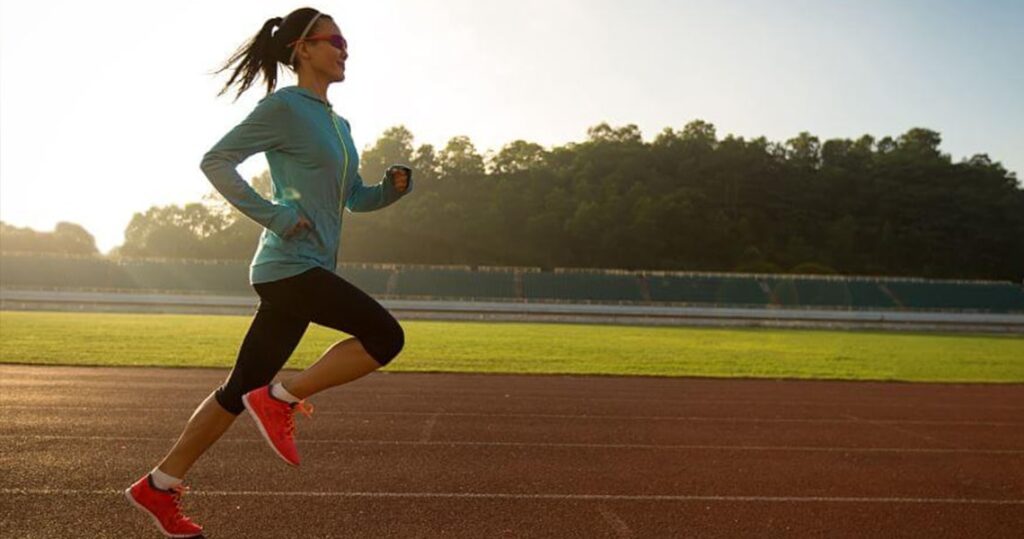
(244, 378)
(229, 398)
(386, 343)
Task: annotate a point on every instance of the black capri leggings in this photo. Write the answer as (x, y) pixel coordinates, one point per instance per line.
(285, 310)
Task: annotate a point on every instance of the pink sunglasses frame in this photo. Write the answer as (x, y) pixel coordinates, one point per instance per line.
(334, 39)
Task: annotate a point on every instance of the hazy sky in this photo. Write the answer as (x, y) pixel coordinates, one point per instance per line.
(106, 107)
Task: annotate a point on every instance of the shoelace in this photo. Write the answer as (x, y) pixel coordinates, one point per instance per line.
(176, 494)
(304, 408)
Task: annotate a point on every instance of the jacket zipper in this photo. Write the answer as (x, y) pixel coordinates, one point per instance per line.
(344, 148)
(344, 173)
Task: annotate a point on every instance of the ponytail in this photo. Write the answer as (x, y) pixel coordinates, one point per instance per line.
(262, 53)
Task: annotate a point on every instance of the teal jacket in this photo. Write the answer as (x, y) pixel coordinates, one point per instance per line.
(314, 168)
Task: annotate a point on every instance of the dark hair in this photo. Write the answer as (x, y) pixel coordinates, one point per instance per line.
(266, 49)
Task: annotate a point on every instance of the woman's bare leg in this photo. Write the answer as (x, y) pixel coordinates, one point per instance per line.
(343, 362)
(207, 424)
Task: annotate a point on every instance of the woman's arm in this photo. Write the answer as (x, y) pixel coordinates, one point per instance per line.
(263, 130)
(362, 198)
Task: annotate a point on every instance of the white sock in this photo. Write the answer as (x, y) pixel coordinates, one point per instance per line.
(164, 481)
(279, 392)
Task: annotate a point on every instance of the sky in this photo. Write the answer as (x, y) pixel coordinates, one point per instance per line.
(107, 107)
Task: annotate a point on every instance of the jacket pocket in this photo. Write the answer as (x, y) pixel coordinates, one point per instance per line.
(310, 242)
(290, 244)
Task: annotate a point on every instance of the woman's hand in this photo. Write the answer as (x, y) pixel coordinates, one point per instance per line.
(400, 176)
(303, 224)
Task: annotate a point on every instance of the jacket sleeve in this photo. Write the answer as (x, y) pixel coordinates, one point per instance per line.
(362, 198)
(263, 130)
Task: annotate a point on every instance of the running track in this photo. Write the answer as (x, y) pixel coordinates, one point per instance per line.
(440, 455)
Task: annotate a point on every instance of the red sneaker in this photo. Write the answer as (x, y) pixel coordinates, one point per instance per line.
(276, 420)
(164, 506)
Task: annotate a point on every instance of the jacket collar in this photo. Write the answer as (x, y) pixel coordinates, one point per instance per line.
(308, 94)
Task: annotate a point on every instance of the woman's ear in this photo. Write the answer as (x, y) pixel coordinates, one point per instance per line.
(301, 51)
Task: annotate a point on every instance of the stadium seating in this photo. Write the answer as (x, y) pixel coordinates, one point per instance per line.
(455, 283)
(984, 296)
(370, 279)
(200, 276)
(810, 292)
(582, 286)
(704, 289)
(20, 270)
(869, 294)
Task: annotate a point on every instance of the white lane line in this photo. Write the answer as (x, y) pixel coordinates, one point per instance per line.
(621, 528)
(464, 443)
(598, 417)
(780, 400)
(524, 496)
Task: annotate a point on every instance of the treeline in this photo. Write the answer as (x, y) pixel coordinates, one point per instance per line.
(691, 201)
(688, 200)
(67, 238)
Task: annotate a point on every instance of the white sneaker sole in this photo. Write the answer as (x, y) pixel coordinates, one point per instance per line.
(259, 425)
(131, 500)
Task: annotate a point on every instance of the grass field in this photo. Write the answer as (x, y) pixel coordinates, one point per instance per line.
(212, 341)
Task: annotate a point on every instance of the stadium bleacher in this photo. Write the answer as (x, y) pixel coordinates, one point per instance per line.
(869, 294)
(455, 283)
(582, 286)
(810, 292)
(49, 271)
(703, 289)
(985, 296)
(20, 270)
(371, 279)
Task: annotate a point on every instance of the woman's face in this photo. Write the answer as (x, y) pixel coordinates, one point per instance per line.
(321, 55)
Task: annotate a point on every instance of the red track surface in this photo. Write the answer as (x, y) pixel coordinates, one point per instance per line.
(439, 455)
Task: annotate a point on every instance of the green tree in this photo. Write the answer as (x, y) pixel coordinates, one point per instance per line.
(688, 200)
(66, 238)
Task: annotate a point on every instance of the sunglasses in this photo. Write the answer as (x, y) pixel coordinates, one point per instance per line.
(336, 40)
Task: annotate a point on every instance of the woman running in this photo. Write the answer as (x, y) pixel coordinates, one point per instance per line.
(314, 168)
